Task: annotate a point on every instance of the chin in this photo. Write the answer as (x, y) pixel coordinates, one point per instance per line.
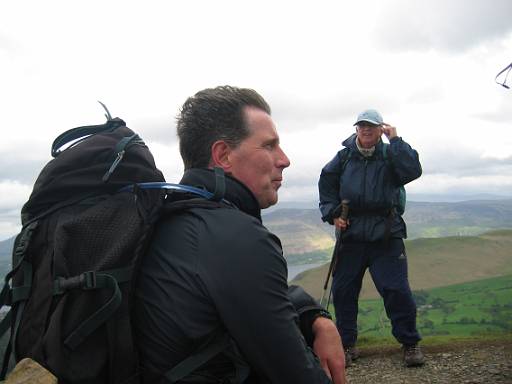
(268, 203)
(368, 145)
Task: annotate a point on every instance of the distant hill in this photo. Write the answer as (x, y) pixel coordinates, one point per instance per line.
(300, 230)
(5, 256)
(417, 197)
(461, 218)
(438, 262)
(306, 239)
(6, 246)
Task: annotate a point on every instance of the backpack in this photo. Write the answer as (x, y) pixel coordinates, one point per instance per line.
(346, 154)
(85, 229)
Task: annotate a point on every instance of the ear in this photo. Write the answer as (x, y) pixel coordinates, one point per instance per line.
(220, 155)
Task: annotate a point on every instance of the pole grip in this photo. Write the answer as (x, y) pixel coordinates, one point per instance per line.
(344, 209)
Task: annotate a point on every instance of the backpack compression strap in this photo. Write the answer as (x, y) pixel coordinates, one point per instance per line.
(8, 295)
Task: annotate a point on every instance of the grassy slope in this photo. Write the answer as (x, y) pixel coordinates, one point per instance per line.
(438, 262)
(480, 309)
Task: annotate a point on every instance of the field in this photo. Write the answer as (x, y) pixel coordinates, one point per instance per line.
(437, 262)
(481, 308)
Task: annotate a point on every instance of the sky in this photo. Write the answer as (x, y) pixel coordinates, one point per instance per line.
(429, 67)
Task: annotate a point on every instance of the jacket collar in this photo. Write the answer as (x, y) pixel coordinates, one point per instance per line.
(236, 192)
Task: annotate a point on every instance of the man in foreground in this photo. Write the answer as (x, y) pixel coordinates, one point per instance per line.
(371, 175)
(217, 273)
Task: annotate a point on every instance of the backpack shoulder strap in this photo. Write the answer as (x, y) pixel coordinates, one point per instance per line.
(345, 155)
(385, 152)
(215, 345)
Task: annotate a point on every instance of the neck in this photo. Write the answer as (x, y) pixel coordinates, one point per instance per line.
(366, 152)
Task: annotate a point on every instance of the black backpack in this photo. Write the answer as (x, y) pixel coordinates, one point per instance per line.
(86, 226)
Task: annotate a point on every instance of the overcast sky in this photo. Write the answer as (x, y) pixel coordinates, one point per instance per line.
(427, 66)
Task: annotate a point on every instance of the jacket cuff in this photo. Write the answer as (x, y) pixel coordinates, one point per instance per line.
(308, 310)
(328, 219)
(306, 323)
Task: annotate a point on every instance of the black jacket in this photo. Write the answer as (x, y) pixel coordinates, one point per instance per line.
(221, 270)
(372, 185)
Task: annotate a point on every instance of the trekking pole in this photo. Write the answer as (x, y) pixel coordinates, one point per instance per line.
(343, 215)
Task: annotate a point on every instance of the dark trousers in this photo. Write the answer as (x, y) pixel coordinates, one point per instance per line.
(387, 262)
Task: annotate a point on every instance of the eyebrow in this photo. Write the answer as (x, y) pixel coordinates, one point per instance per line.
(273, 141)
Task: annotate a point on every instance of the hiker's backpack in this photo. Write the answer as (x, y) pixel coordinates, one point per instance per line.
(346, 154)
(84, 231)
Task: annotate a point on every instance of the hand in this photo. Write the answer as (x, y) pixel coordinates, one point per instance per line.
(341, 224)
(329, 349)
(388, 130)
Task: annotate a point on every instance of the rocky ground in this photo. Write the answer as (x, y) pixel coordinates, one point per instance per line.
(465, 363)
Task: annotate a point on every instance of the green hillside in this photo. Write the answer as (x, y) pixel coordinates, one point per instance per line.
(479, 308)
(438, 262)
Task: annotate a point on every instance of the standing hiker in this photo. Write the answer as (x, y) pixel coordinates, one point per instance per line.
(215, 278)
(370, 175)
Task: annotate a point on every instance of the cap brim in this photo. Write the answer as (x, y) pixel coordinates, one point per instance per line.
(368, 121)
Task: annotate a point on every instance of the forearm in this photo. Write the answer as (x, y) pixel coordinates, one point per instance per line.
(329, 349)
(405, 161)
(308, 310)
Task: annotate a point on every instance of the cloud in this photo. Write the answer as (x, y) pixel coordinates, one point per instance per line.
(500, 113)
(16, 167)
(157, 128)
(7, 45)
(297, 112)
(464, 162)
(428, 66)
(460, 185)
(455, 25)
(8, 228)
(14, 194)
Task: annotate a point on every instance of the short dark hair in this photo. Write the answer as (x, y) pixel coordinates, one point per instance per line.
(214, 114)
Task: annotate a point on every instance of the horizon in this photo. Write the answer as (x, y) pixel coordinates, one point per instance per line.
(317, 64)
(312, 205)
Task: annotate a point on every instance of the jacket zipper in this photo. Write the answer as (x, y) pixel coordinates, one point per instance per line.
(364, 197)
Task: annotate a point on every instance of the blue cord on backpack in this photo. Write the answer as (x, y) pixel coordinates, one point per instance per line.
(176, 187)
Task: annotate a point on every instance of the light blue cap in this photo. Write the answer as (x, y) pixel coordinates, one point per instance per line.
(371, 116)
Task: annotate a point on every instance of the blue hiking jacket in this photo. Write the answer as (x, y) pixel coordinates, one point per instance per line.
(372, 185)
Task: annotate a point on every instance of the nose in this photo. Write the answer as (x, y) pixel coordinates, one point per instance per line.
(282, 160)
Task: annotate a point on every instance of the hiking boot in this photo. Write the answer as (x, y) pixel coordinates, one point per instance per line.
(351, 355)
(413, 357)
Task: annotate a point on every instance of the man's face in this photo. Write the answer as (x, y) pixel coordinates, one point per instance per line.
(258, 161)
(368, 134)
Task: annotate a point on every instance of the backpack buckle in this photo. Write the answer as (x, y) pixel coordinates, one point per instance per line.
(85, 281)
(88, 280)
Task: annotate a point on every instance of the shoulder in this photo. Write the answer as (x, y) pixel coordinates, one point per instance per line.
(345, 153)
(238, 230)
(233, 246)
